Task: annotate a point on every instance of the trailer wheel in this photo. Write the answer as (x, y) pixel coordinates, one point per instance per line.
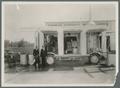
(94, 59)
(50, 60)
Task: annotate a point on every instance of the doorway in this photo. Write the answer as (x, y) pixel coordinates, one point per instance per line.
(71, 43)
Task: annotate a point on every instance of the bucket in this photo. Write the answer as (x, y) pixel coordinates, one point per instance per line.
(31, 59)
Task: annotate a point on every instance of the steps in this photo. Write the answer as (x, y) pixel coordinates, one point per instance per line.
(71, 60)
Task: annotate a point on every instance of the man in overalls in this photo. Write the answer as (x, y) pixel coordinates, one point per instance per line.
(36, 57)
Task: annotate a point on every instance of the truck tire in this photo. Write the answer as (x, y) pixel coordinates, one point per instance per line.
(94, 58)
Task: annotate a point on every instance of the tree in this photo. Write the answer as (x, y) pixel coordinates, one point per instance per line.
(7, 43)
(21, 43)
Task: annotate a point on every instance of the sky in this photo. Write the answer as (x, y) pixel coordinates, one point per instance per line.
(32, 16)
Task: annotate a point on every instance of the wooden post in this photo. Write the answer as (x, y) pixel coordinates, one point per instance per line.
(83, 43)
(60, 42)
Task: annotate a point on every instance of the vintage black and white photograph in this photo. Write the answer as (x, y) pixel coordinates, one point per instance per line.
(59, 43)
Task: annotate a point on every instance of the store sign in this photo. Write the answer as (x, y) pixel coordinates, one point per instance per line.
(63, 23)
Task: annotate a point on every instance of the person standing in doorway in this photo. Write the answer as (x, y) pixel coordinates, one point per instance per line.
(43, 56)
(36, 58)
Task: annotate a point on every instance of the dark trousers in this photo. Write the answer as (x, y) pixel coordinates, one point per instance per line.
(43, 62)
(37, 62)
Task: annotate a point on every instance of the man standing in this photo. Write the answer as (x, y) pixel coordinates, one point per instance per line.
(43, 56)
(36, 57)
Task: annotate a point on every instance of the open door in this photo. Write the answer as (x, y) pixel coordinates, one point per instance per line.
(51, 42)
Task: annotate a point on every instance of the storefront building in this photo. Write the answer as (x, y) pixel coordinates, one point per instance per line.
(76, 38)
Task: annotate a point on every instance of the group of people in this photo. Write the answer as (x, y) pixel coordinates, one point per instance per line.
(37, 57)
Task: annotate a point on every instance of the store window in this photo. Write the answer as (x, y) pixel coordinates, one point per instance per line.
(94, 41)
(71, 43)
(51, 42)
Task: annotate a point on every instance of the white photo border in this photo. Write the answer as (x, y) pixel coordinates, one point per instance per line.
(65, 2)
